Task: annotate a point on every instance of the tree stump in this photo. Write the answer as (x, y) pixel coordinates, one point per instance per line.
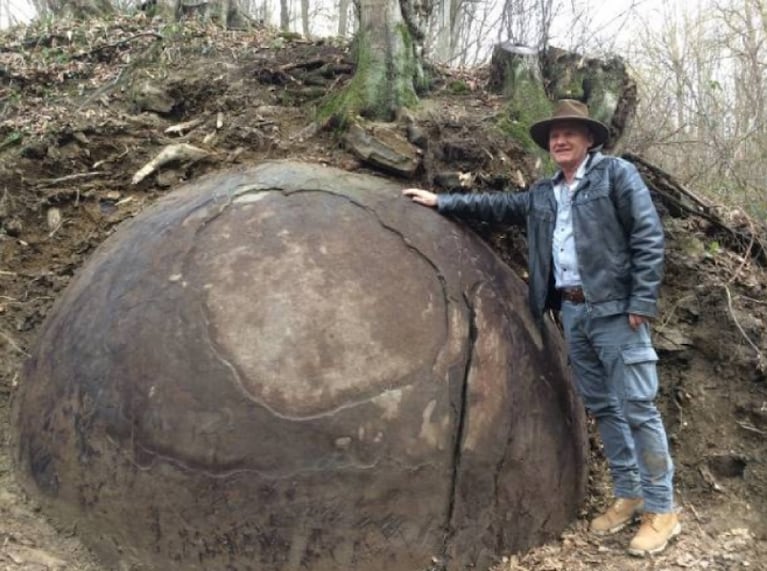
(604, 85)
(532, 80)
(515, 71)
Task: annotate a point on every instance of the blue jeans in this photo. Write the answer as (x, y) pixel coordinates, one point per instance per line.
(615, 373)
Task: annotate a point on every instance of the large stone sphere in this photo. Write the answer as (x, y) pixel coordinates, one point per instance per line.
(294, 367)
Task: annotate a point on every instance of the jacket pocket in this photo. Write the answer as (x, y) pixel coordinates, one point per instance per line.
(598, 190)
(640, 375)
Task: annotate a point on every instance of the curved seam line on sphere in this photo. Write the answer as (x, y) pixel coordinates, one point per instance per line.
(233, 368)
(265, 474)
(400, 235)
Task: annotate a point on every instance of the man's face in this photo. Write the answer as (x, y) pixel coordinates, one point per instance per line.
(569, 142)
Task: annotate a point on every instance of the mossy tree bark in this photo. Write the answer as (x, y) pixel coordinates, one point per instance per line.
(515, 71)
(389, 71)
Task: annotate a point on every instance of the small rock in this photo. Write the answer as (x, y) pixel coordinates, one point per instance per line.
(53, 217)
(150, 97)
(168, 178)
(14, 227)
(80, 137)
(416, 136)
(383, 148)
(343, 443)
(35, 150)
(672, 340)
(447, 180)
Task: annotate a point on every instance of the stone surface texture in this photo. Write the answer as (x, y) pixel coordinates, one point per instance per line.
(290, 366)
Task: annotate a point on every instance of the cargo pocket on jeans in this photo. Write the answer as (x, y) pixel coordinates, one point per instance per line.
(640, 375)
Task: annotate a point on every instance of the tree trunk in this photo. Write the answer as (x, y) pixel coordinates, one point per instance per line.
(227, 13)
(80, 9)
(343, 12)
(388, 55)
(443, 34)
(263, 11)
(284, 16)
(42, 8)
(305, 17)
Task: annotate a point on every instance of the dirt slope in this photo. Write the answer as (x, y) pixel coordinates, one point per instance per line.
(82, 109)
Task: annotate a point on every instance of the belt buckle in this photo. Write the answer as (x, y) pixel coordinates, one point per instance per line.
(574, 295)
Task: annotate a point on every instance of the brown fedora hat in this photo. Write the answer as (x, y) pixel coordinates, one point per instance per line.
(569, 110)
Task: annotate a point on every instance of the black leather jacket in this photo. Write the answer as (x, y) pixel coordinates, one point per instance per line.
(618, 236)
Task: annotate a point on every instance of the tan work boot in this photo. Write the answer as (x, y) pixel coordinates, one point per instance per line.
(654, 533)
(617, 516)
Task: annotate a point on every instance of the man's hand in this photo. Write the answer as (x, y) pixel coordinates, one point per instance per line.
(421, 196)
(635, 321)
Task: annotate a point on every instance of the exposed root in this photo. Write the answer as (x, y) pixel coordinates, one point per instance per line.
(179, 152)
(760, 364)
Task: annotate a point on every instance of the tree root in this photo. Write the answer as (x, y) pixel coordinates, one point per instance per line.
(179, 152)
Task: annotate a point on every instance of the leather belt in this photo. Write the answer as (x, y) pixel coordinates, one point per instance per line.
(573, 294)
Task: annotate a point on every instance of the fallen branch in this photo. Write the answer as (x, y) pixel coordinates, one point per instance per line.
(179, 128)
(703, 203)
(44, 41)
(309, 65)
(97, 164)
(691, 507)
(178, 152)
(752, 300)
(759, 357)
(12, 343)
(677, 197)
(67, 178)
(83, 55)
(708, 477)
(671, 312)
(750, 427)
(746, 256)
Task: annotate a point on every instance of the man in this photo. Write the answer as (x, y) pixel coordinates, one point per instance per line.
(596, 253)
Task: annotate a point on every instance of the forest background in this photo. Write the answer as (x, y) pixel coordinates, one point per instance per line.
(700, 67)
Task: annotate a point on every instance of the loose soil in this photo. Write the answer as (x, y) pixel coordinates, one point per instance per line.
(78, 120)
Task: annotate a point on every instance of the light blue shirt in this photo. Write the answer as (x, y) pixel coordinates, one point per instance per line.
(563, 252)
